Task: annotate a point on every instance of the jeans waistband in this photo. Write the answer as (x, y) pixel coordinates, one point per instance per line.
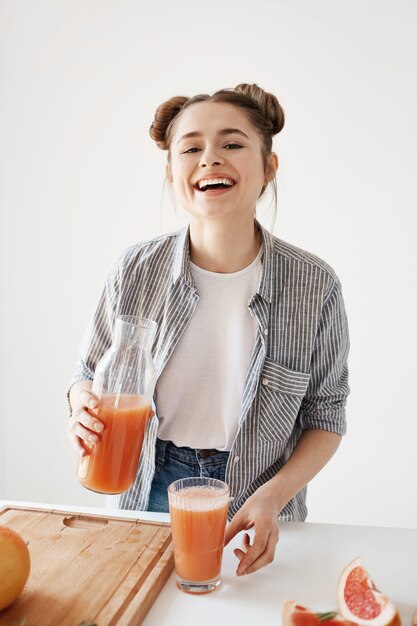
(188, 454)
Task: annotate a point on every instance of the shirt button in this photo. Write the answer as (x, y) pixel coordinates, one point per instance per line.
(236, 459)
(265, 381)
(265, 331)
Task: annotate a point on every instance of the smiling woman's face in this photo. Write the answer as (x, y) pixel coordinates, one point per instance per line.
(213, 140)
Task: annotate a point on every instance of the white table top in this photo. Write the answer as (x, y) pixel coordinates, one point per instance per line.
(308, 562)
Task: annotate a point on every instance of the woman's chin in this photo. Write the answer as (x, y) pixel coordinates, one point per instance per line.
(218, 210)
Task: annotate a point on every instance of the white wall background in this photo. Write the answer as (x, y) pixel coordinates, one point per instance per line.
(81, 180)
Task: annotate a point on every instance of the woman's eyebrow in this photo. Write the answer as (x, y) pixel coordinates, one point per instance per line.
(224, 131)
(232, 131)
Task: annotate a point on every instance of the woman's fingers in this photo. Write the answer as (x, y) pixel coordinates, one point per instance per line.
(245, 543)
(256, 549)
(239, 553)
(267, 556)
(78, 445)
(262, 550)
(84, 427)
(88, 420)
(87, 399)
(85, 433)
(239, 522)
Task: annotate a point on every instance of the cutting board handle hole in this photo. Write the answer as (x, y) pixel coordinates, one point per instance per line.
(82, 522)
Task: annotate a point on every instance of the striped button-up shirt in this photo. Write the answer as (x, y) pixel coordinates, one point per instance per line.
(297, 377)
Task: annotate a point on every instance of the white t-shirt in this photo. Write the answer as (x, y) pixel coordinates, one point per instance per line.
(199, 393)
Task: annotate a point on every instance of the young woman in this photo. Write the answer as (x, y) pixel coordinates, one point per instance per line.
(252, 337)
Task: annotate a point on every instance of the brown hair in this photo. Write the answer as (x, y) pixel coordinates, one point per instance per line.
(262, 109)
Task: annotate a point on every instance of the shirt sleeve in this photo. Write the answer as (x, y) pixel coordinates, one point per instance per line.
(98, 335)
(323, 406)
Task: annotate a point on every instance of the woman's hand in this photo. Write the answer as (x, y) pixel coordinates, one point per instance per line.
(260, 512)
(83, 426)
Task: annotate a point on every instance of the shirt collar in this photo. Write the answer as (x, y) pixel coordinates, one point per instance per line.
(267, 282)
(181, 264)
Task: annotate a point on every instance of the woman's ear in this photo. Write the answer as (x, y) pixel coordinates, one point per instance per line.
(168, 173)
(272, 167)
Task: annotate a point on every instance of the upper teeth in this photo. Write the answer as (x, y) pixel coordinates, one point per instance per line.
(215, 181)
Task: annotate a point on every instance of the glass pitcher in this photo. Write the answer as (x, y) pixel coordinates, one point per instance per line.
(124, 384)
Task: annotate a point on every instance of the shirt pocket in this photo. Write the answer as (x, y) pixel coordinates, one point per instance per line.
(282, 391)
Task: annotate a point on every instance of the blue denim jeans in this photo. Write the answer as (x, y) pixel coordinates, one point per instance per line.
(172, 463)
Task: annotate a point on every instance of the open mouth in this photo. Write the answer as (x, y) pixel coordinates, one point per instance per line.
(214, 184)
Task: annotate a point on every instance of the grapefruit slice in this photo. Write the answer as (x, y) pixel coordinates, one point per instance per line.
(361, 602)
(294, 614)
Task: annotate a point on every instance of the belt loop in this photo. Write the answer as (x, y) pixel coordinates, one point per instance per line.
(160, 451)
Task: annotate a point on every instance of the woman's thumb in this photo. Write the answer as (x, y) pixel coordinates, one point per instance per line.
(233, 528)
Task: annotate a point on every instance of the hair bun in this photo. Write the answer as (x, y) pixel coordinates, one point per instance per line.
(164, 115)
(244, 95)
(267, 103)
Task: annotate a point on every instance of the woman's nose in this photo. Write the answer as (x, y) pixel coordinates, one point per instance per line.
(209, 156)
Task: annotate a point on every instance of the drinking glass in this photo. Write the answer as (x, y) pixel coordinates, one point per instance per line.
(198, 508)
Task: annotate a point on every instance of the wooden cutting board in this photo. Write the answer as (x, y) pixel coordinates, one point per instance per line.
(102, 570)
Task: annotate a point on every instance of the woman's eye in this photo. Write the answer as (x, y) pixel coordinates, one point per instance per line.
(228, 146)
